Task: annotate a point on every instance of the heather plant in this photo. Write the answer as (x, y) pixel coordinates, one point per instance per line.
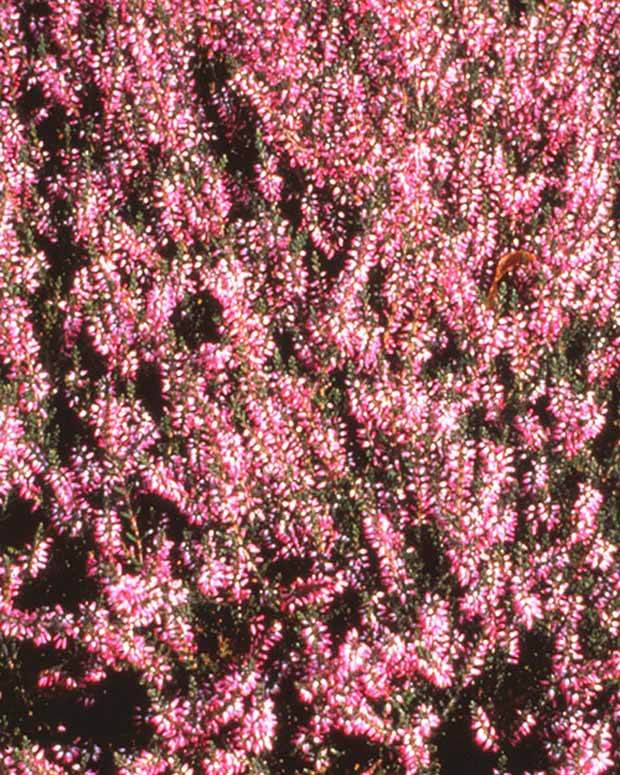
(309, 409)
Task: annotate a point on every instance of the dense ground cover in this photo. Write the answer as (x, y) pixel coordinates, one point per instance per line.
(310, 382)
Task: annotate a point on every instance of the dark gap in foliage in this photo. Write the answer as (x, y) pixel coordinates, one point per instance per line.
(376, 280)
(239, 143)
(333, 266)
(56, 131)
(595, 640)
(68, 427)
(245, 201)
(518, 10)
(183, 675)
(30, 100)
(154, 513)
(94, 18)
(32, 23)
(606, 446)
(346, 227)
(615, 207)
(535, 660)
(91, 123)
(542, 408)
(33, 659)
(450, 195)
(475, 423)
(91, 106)
(575, 344)
(285, 344)
(20, 665)
(284, 759)
(442, 356)
(137, 209)
(196, 320)
(605, 698)
(167, 248)
(292, 713)
(47, 322)
(344, 615)
(34, 9)
(469, 624)
(51, 131)
(210, 72)
(96, 500)
(356, 753)
(559, 162)
(155, 155)
(64, 581)
(221, 739)
(289, 569)
(373, 578)
(314, 261)
(149, 390)
(433, 564)
(510, 687)
(341, 224)
(552, 197)
(90, 359)
(507, 379)
(457, 751)
(232, 120)
(110, 714)
(106, 764)
(132, 211)
(527, 756)
(523, 163)
(47, 327)
(292, 192)
(395, 362)
(346, 520)
(491, 63)
(18, 522)
(63, 254)
(221, 634)
(355, 450)
(120, 384)
(564, 486)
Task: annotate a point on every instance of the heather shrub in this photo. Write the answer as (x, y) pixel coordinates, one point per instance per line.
(310, 382)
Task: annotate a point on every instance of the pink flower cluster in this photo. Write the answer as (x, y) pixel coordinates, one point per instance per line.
(281, 491)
